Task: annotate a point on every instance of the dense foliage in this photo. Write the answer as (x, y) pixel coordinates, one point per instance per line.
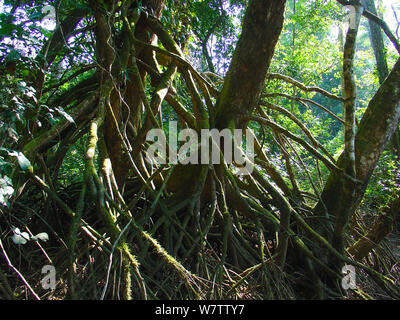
(82, 82)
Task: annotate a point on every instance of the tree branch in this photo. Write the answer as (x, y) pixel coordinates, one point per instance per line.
(369, 15)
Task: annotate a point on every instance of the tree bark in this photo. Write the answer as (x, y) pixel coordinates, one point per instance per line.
(378, 46)
(376, 127)
(377, 42)
(262, 27)
(381, 228)
(349, 109)
(368, 242)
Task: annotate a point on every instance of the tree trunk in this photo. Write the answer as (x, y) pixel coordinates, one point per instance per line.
(377, 42)
(262, 26)
(376, 127)
(242, 87)
(378, 45)
(349, 108)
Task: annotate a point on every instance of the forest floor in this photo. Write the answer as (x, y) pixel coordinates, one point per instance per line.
(385, 258)
(30, 258)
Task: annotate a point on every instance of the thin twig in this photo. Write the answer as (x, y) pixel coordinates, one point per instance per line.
(17, 272)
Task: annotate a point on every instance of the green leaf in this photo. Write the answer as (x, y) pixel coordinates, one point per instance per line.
(14, 55)
(6, 29)
(37, 16)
